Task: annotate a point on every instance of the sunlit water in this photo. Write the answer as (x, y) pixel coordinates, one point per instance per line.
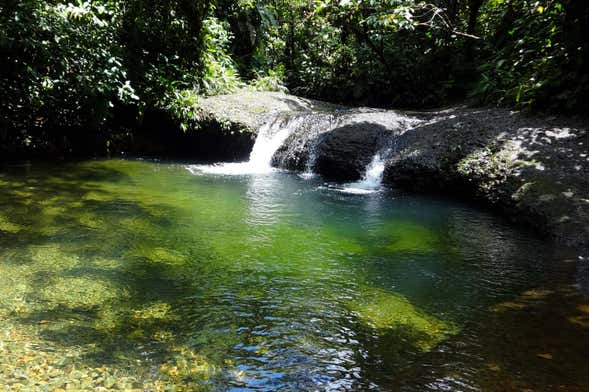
(142, 276)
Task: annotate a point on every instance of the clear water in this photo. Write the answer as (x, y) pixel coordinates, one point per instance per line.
(134, 275)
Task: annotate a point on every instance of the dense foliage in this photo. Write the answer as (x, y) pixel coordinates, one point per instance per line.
(94, 65)
(70, 64)
(415, 53)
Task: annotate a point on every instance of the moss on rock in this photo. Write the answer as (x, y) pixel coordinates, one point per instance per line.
(389, 312)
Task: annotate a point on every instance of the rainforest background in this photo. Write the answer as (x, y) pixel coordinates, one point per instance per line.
(99, 67)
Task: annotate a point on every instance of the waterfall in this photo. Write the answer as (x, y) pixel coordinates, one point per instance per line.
(316, 125)
(270, 137)
(304, 131)
(372, 179)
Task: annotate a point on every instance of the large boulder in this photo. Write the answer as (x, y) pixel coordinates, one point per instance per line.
(341, 143)
(535, 170)
(299, 151)
(424, 157)
(344, 153)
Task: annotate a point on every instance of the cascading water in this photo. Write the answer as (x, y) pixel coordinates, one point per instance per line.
(372, 180)
(303, 131)
(320, 123)
(270, 137)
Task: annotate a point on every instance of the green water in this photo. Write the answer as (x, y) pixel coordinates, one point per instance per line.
(134, 275)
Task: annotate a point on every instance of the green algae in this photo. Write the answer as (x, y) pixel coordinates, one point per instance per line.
(412, 237)
(52, 257)
(8, 226)
(388, 312)
(158, 255)
(80, 292)
(153, 311)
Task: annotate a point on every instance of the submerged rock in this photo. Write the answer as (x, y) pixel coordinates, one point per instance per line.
(389, 313)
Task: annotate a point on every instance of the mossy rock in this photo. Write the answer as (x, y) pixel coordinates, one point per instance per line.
(80, 292)
(9, 227)
(388, 312)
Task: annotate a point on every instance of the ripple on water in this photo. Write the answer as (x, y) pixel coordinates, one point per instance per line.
(139, 275)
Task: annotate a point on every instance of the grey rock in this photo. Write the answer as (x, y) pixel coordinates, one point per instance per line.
(533, 170)
(344, 152)
(248, 110)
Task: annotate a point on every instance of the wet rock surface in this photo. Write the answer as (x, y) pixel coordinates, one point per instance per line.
(298, 152)
(533, 169)
(339, 145)
(344, 152)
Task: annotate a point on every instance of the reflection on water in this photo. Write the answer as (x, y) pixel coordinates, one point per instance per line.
(267, 200)
(141, 276)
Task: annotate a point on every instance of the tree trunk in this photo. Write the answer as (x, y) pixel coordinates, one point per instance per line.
(473, 15)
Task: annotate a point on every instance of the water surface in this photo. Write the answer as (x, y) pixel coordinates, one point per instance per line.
(144, 276)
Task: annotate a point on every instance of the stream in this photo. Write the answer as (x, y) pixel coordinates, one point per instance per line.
(146, 275)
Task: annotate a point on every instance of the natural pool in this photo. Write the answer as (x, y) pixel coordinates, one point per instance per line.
(140, 275)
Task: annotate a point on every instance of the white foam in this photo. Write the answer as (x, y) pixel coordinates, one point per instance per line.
(228, 169)
(356, 191)
(372, 180)
(270, 137)
(307, 175)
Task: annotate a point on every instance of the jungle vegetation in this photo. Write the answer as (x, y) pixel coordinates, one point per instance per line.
(101, 65)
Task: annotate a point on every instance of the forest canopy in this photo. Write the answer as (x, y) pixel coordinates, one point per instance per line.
(96, 64)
